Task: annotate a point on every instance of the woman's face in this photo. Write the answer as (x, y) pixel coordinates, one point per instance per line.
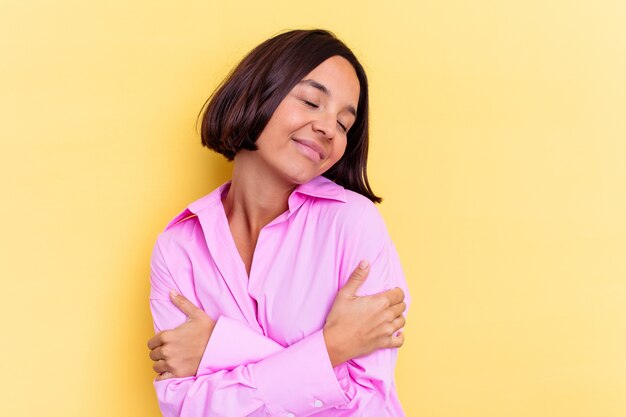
(307, 133)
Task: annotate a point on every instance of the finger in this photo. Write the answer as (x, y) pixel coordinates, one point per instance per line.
(161, 366)
(397, 340)
(394, 296)
(183, 304)
(398, 323)
(157, 354)
(357, 278)
(164, 375)
(155, 341)
(398, 309)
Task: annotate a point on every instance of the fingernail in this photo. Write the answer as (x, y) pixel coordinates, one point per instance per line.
(174, 293)
(363, 264)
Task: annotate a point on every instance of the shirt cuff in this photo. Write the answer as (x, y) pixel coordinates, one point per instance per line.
(299, 380)
(232, 344)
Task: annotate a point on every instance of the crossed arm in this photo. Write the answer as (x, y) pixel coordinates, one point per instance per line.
(355, 326)
(226, 368)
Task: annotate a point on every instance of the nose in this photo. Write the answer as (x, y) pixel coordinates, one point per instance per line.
(325, 125)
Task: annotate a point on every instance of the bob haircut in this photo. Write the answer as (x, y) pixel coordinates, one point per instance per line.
(239, 109)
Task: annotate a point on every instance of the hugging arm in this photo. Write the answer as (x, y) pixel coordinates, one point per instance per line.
(243, 372)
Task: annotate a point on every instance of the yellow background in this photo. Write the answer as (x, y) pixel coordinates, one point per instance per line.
(498, 142)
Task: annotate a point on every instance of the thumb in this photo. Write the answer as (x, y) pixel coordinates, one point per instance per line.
(357, 278)
(183, 304)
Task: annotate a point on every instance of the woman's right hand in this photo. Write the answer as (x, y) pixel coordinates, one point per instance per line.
(358, 325)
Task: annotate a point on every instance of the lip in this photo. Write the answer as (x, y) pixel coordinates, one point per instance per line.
(316, 147)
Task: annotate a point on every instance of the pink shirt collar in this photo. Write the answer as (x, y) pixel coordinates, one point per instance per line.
(319, 187)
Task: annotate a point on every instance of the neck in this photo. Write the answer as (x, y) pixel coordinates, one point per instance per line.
(255, 197)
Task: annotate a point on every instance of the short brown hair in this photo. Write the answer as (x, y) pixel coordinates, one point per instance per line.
(239, 109)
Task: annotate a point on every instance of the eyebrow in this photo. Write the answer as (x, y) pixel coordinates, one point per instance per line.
(326, 91)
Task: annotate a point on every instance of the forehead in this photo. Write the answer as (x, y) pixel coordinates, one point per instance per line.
(338, 75)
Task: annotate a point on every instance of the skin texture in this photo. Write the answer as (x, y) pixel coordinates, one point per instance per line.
(305, 136)
(307, 113)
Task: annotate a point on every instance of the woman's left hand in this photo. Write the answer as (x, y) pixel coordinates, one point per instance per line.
(177, 352)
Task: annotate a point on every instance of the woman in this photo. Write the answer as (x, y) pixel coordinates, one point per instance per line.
(280, 293)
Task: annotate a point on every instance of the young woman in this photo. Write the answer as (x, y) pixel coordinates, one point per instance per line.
(280, 293)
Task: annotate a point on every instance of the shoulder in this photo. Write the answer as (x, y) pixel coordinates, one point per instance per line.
(175, 244)
(355, 224)
(363, 235)
(181, 228)
(332, 199)
(185, 226)
(181, 224)
(358, 214)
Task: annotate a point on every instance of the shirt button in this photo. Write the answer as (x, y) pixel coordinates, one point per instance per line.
(290, 415)
(318, 403)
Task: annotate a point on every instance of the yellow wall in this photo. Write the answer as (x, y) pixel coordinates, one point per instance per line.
(499, 143)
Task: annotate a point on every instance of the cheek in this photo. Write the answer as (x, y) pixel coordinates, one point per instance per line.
(339, 149)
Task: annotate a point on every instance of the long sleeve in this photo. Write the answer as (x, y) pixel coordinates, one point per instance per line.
(243, 372)
(296, 380)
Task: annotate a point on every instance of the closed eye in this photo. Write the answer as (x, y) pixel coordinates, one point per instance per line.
(308, 103)
(342, 126)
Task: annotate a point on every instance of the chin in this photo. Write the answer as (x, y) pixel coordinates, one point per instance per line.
(298, 173)
(301, 177)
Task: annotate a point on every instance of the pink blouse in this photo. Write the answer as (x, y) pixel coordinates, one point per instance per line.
(266, 355)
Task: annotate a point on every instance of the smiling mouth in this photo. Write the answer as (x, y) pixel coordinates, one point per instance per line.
(311, 149)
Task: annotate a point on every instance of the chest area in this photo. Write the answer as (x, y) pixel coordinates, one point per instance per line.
(286, 290)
